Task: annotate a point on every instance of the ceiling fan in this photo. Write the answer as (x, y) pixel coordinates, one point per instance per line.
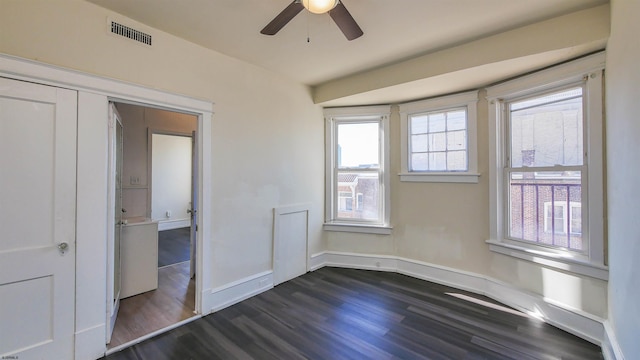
(335, 8)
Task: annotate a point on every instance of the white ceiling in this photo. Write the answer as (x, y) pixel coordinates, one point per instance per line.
(393, 30)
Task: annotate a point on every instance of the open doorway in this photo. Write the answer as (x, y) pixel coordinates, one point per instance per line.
(157, 226)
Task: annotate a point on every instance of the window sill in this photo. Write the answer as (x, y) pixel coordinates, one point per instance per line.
(550, 258)
(358, 228)
(440, 177)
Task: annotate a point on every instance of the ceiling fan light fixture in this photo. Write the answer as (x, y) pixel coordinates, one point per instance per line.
(319, 6)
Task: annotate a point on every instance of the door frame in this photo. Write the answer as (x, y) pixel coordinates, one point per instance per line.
(115, 121)
(94, 94)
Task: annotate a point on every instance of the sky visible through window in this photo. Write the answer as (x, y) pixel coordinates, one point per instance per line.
(358, 145)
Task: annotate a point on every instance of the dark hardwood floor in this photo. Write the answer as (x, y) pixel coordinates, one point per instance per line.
(337, 313)
(172, 302)
(173, 246)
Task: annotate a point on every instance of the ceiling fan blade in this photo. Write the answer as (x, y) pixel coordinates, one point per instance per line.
(345, 22)
(283, 18)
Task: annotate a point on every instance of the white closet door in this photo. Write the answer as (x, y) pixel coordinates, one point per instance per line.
(37, 220)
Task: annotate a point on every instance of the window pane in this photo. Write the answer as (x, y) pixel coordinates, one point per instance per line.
(456, 140)
(457, 160)
(420, 162)
(437, 122)
(419, 143)
(438, 161)
(438, 142)
(419, 124)
(456, 120)
(538, 208)
(547, 130)
(361, 194)
(358, 145)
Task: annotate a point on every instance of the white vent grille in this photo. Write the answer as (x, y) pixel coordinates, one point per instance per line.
(130, 33)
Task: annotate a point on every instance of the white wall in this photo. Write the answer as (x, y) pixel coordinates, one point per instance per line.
(171, 174)
(623, 147)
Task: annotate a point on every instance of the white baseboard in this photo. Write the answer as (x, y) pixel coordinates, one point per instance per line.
(610, 347)
(173, 224)
(355, 261)
(90, 343)
(579, 323)
(232, 293)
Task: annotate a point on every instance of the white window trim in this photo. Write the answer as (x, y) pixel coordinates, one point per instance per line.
(593, 262)
(468, 100)
(378, 113)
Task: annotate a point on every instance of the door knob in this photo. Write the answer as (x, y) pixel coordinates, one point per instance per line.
(63, 247)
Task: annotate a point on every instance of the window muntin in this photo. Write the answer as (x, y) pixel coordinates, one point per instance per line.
(545, 165)
(438, 141)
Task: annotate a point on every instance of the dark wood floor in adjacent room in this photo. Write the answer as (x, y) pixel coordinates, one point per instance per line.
(337, 313)
(172, 302)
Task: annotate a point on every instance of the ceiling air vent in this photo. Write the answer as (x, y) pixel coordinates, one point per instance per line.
(130, 33)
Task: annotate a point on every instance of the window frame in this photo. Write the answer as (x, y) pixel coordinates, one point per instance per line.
(467, 100)
(509, 168)
(588, 70)
(364, 114)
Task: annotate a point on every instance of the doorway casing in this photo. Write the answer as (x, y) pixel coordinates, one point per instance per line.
(94, 94)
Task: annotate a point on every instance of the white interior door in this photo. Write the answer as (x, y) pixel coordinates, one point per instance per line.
(38, 126)
(114, 269)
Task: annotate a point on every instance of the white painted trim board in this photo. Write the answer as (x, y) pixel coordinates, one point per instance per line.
(232, 293)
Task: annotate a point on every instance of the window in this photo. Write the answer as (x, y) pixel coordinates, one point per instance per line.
(546, 155)
(345, 201)
(439, 139)
(356, 175)
(360, 201)
(557, 220)
(545, 165)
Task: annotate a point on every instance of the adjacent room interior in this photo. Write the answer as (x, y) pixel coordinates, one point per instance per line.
(156, 274)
